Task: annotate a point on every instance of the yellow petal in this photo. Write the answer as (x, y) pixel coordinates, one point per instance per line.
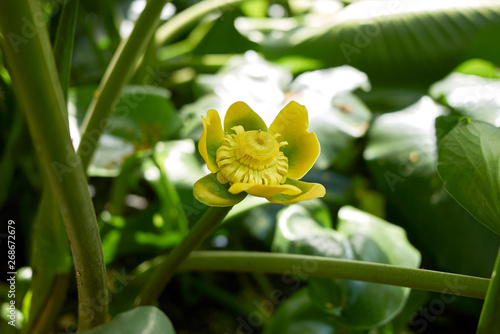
(308, 191)
(260, 190)
(303, 147)
(211, 139)
(239, 113)
(209, 191)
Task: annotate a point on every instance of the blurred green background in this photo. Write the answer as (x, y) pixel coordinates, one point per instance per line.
(383, 81)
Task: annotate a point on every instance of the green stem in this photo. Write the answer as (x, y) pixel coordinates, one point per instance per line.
(51, 259)
(489, 322)
(305, 265)
(31, 64)
(63, 44)
(172, 28)
(166, 270)
(119, 71)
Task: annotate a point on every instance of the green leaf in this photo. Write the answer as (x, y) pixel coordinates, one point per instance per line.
(445, 124)
(403, 41)
(401, 155)
(366, 231)
(142, 116)
(141, 320)
(298, 315)
(363, 305)
(298, 232)
(469, 164)
(359, 236)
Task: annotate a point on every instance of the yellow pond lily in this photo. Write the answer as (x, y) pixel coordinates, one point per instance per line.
(248, 158)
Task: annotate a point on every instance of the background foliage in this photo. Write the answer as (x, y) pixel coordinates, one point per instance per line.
(403, 96)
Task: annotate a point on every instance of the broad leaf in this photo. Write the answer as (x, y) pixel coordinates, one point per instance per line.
(408, 41)
(469, 164)
(359, 236)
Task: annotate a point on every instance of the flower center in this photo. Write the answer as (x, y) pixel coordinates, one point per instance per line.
(251, 157)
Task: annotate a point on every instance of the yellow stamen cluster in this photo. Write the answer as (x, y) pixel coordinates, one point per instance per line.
(251, 157)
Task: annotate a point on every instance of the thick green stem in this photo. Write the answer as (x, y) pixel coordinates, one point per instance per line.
(166, 270)
(31, 64)
(119, 71)
(489, 322)
(51, 259)
(305, 265)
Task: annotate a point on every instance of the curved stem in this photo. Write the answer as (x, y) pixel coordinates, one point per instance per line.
(489, 322)
(166, 270)
(31, 64)
(305, 265)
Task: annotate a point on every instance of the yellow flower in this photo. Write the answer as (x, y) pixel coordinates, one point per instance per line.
(249, 158)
